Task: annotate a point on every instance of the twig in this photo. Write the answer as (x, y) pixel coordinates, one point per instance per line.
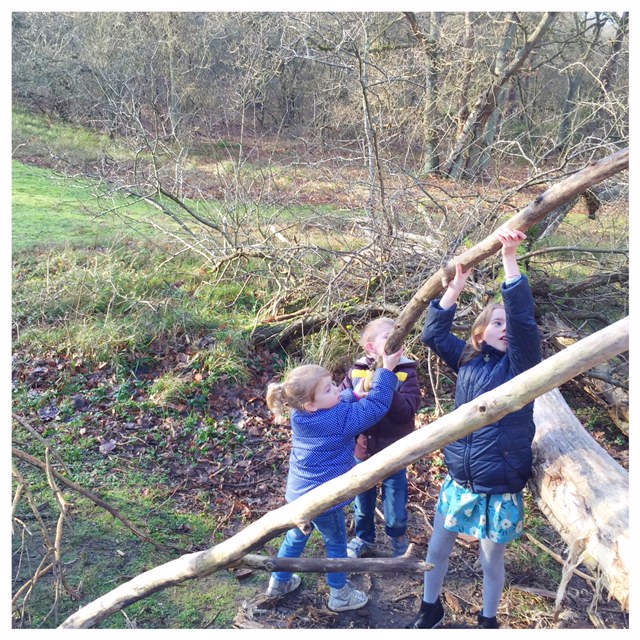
(434, 383)
(223, 520)
(558, 558)
(37, 436)
(58, 568)
(96, 500)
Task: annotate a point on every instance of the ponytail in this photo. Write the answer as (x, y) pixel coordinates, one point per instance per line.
(276, 400)
(298, 388)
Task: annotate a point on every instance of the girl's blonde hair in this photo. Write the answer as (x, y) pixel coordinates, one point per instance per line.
(373, 328)
(298, 388)
(472, 348)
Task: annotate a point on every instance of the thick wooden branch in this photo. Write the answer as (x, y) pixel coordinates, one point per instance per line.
(487, 408)
(523, 220)
(404, 564)
(583, 492)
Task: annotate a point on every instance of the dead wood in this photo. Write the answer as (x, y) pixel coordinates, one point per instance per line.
(280, 334)
(94, 498)
(483, 410)
(404, 564)
(583, 492)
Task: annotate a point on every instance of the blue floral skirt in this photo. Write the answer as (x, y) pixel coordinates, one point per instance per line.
(497, 517)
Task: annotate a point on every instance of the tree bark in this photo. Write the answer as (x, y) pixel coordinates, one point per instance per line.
(483, 410)
(523, 220)
(405, 564)
(583, 492)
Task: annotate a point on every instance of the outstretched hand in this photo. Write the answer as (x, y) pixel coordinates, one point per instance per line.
(461, 277)
(510, 239)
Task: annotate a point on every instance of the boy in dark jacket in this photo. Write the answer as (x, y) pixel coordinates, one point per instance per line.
(397, 423)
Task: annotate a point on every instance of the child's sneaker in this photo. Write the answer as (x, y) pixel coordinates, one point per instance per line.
(277, 588)
(358, 547)
(347, 598)
(399, 545)
(430, 616)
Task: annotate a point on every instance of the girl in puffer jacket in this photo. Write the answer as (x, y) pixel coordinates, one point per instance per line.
(487, 470)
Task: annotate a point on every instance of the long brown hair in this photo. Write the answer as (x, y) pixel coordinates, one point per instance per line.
(472, 348)
(298, 388)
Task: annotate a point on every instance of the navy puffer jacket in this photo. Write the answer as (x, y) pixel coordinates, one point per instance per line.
(496, 458)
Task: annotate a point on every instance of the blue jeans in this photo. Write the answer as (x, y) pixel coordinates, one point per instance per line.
(395, 493)
(333, 528)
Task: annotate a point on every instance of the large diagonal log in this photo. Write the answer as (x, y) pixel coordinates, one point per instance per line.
(523, 220)
(583, 492)
(487, 408)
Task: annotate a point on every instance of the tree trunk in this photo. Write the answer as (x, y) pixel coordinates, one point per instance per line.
(536, 211)
(429, 45)
(483, 410)
(487, 100)
(583, 492)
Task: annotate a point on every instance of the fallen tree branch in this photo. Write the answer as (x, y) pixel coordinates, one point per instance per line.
(540, 252)
(530, 215)
(483, 410)
(403, 564)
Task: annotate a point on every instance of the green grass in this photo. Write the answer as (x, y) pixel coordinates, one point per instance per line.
(100, 553)
(41, 137)
(56, 211)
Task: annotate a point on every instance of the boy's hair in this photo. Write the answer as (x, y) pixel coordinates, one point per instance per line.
(472, 348)
(373, 328)
(298, 388)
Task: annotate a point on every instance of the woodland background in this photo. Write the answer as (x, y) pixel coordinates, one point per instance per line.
(202, 200)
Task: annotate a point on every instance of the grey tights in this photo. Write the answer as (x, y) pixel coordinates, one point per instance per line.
(491, 561)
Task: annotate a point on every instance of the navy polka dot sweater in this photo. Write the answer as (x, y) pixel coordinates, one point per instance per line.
(323, 441)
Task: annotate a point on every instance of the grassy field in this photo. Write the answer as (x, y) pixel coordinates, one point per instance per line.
(93, 298)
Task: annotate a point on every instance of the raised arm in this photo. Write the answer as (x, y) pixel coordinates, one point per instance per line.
(455, 287)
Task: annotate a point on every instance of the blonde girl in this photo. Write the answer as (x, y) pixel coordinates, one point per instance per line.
(324, 425)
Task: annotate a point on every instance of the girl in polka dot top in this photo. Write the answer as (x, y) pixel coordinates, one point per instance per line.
(324, 425)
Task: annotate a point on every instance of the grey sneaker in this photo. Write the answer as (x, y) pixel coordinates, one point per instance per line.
(347, 598)
(358, 547)
(399, 545)
(277, 588)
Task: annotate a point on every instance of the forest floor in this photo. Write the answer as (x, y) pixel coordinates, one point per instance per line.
(245, 482)
(532, 574)
(242, 480)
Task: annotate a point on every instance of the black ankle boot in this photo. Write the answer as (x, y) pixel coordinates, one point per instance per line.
(487, 623)
(430, 616)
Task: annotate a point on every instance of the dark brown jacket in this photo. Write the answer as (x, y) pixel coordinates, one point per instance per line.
(400, 419)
